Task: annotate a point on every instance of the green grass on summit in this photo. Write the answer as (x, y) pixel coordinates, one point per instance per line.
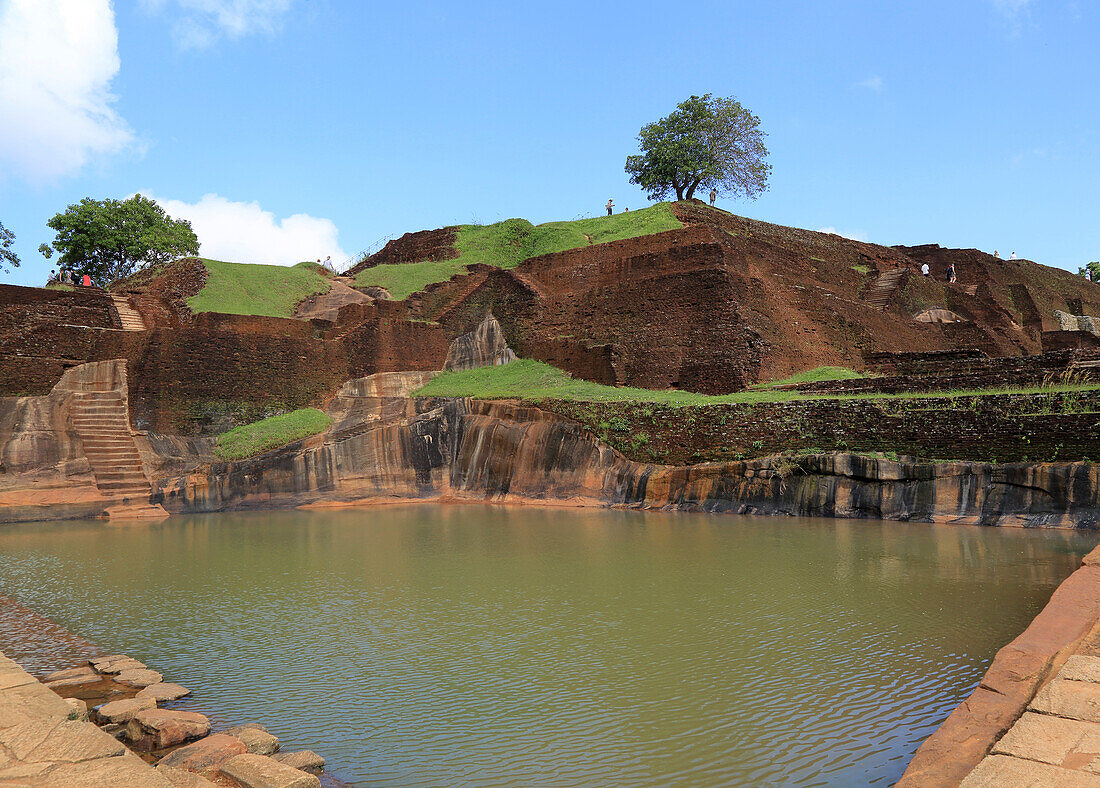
(267, 290)
(507, 244)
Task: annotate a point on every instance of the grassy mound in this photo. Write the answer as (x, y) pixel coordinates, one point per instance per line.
(266, 290)
(270, 433)
(507, 244)
(533, 380)
(815, 375)
(402, 280)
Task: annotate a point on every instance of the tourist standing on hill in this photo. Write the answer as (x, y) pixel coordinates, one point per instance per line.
(66, 276)
(924, 270)
(1013, 255)
(713, 196)
(328, 263)
(996, 254)
(610, 205)
(53, 277)
(86, 281)
(951, 273)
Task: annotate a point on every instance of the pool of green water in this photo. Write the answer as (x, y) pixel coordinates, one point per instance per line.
(491, 646)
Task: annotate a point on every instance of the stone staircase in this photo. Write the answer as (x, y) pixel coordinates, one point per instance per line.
(884, 288)
(102, 421)
(129, 317)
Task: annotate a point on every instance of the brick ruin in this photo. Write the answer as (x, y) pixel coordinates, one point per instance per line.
(714, 306)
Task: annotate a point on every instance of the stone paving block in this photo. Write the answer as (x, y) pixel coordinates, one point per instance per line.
(139, 678)
(1077, 700)
(307, 760)
(62, 741)
(69, 673)
(118, 711)
(1041, 737)
(259, 771)
(181, 778)
(256, 738)
(1081, 668)
(127, 771)
(204, 756)
(30, 702)
(78, 709)
(11, 679)
(122, 665)
(164, 691)
(17, 773)
(157, 728)
(1004, 771)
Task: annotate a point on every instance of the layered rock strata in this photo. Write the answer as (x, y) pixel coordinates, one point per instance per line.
(391, 447)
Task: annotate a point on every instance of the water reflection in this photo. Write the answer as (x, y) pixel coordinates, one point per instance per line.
(512, 647)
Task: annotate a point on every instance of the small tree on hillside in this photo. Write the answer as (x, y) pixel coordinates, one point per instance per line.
(7, 255)
(708, 143)
(110, 239)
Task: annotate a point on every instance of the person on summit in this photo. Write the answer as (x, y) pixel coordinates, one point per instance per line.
(996, 254)
(1014, 257)
(610, 205)
(713, 196)
(951, 273)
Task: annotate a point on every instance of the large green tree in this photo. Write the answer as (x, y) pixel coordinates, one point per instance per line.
(708, 143)
(110, 239)
(7, 255)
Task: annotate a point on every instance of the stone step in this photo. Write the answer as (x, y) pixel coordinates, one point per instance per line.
(133, 472)
(118, 487)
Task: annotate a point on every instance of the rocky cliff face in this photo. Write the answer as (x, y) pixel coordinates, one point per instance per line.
(393, 448)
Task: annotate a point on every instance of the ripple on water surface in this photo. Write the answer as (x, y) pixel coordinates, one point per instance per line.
(470, 646)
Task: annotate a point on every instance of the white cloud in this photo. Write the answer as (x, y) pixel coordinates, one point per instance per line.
(57, 60)
(202, 22)
(853, 235)
(243, 232)
(1015, 12)
(873, 82)
(1011, 8)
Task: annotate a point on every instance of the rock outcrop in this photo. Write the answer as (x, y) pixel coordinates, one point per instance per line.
(398, 448)
(485, 346)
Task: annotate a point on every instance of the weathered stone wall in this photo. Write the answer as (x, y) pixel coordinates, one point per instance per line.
(432, 449)
(967, 374)
(1004, 428)
(413, 248)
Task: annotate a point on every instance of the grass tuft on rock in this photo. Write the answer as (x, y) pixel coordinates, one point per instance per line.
(271, 433)
(254, 289)
(507, 244)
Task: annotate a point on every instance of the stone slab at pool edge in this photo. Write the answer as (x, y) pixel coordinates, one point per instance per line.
(41, 746)
(1034, 718)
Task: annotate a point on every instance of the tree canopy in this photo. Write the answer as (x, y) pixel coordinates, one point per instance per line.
(7, 255)
(110, 239)
(707, 142)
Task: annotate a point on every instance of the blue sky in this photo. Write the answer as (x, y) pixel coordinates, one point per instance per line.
(288, 129)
